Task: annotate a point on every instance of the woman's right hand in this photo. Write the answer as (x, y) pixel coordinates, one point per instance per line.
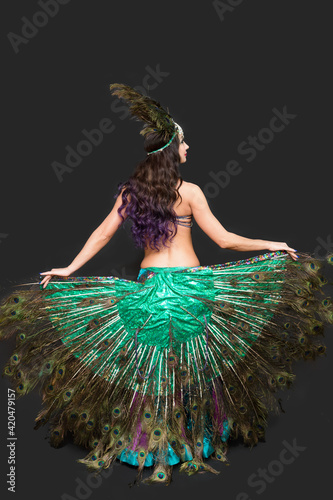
(276, 245)
(62, 271)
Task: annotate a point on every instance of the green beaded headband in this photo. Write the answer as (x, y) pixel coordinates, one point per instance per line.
(179, 131)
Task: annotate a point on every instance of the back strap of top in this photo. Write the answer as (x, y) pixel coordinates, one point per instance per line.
(187, 222)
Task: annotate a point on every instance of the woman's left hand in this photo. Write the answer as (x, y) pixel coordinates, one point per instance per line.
(63, 271)
(275, 245)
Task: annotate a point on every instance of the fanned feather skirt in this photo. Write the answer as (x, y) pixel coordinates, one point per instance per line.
(171, 367)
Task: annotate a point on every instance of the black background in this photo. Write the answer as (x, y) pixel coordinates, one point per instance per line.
(222, 80)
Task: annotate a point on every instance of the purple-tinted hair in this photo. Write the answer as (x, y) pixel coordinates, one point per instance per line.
(150, 194)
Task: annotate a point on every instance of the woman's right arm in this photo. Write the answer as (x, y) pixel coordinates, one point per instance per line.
(225, 239)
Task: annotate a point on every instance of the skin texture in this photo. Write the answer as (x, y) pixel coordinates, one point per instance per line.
(180, 251)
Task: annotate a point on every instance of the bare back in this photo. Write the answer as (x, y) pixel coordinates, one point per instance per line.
(180, 251)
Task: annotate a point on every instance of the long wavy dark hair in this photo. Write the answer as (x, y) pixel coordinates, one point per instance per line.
(151, 192)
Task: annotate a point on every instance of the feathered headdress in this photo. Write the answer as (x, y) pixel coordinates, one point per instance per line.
(155, 117)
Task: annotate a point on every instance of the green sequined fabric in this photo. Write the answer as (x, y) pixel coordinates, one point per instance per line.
(171, 367)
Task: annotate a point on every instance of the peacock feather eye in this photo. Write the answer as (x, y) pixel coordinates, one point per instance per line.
(8, 371)
(242, 409)
(195, 407)
(67, 395)
(141, 454)
(84, 415)
(106, 428)
(13, 313)
(148, 415)
(116, 411)
(325, 302)
(22, 336)
(321, 349)
(160, 475)
(56, 433)
(93, 458)
(100, 463)
(95, 443)
(91, 301)
(157, 433)
(322, 279)
(90, 424)
(250, 378)
(16, 300)
(287, 325)
(330, 259)
(73, 416)
(178, 414)
(116, 432)
(199, 444)
(15, 358)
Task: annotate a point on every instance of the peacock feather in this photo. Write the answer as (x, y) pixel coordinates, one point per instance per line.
(172, 367)
(146, 109)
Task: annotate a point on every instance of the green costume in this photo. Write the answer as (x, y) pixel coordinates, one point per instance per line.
(168, 368)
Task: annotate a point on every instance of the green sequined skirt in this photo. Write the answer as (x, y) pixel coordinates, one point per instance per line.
(171, 367)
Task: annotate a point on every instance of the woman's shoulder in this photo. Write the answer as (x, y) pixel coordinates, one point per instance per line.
(190, 189)
(189, 186)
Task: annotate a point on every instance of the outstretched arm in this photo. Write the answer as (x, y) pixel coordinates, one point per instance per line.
(97, 240)
(225, 239)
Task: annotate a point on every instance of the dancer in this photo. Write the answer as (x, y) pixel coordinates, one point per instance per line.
(171, 367)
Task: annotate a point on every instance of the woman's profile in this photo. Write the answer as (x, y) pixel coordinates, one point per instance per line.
(170, 368)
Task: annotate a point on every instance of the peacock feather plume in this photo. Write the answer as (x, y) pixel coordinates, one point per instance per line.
(157, 379)
(147, 110)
